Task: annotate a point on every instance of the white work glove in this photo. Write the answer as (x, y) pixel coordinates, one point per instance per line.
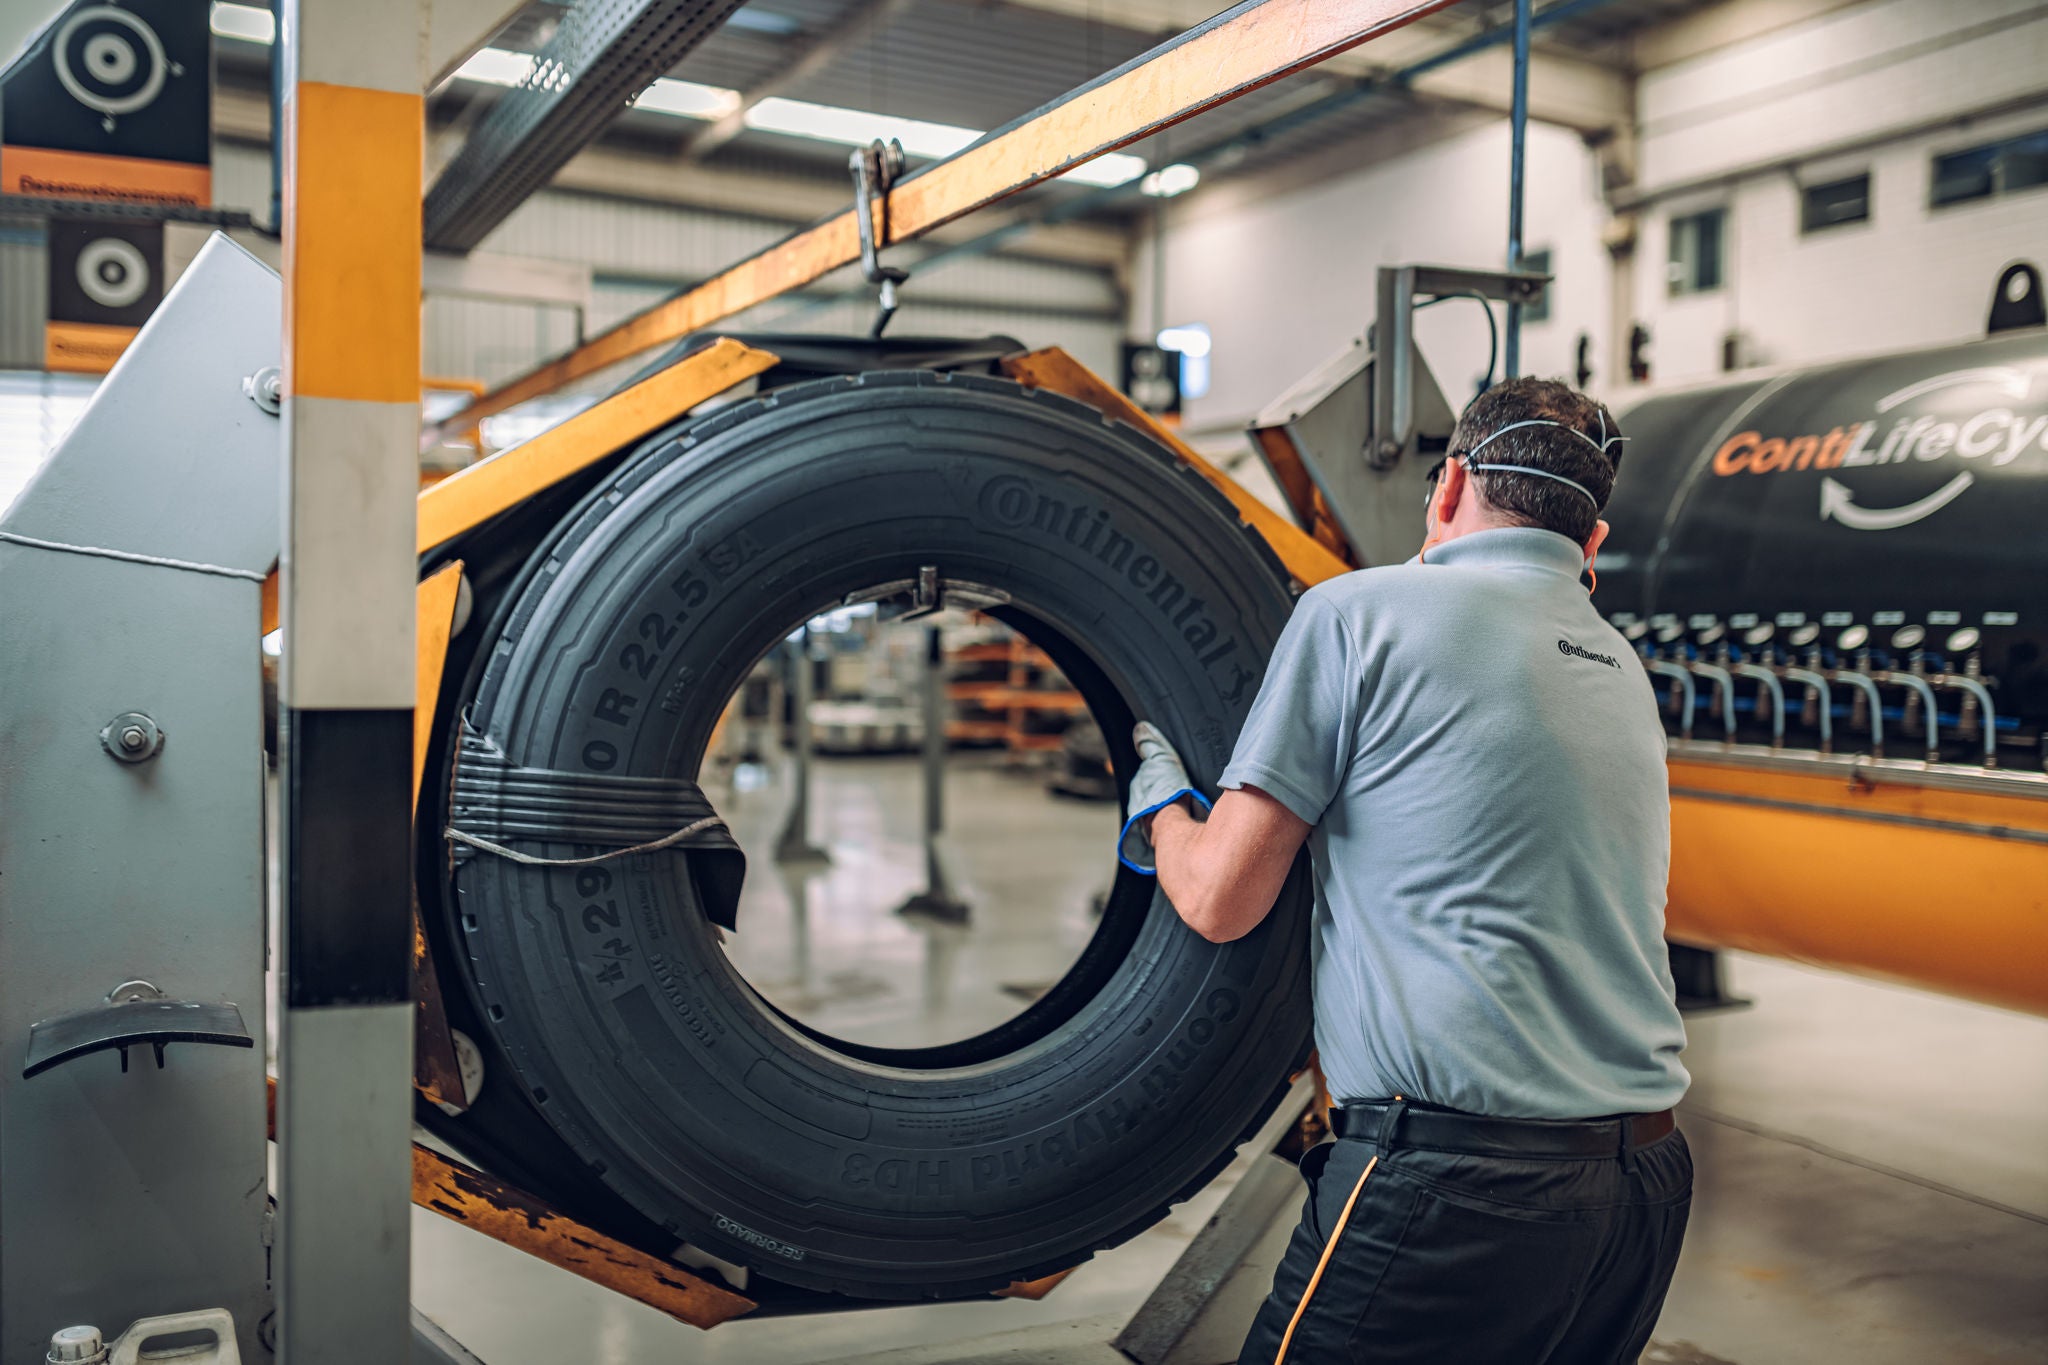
(1161, 780)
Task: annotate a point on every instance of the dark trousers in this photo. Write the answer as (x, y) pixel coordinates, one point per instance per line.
(1430, 1254)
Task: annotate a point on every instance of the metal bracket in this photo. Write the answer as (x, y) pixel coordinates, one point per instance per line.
(1393, 396)
(135, 1012)
(2016, 302)
(1198, 1309)
(875, 168)
(907, 599)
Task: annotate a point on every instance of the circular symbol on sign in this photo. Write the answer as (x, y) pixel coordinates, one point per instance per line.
(112, 272)
(109, 60)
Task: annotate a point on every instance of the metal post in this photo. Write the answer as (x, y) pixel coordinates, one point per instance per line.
(1518, 123)
(937, 899)
(353, 124)
(934, 733)
(1198, 1310)
(795, 845)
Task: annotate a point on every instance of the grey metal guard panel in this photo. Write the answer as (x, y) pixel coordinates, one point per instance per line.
(130, 1195)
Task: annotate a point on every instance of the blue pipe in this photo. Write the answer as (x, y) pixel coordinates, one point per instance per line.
(1238, 143)
(1518, 138)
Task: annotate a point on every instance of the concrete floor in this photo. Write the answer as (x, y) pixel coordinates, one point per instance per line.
(821, 939)
(1873, 1160)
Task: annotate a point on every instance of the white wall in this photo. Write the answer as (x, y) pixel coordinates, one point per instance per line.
(1881, 67)
(1909, 79)
(1284, 282)
(1882, 86)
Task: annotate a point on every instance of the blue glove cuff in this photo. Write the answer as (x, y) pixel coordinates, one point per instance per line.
(1143, 840)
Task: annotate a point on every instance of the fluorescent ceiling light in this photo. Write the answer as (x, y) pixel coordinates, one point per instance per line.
(1168, 181)
(496, 66)
(1108, 170)
(857, 128)
(794, 118)
(247, 22)
(761, 21)
(687, 99)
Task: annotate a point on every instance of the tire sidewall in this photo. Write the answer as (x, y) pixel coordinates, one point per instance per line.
(617, 1008)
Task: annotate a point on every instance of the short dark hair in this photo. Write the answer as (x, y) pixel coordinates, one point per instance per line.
(1527, 501)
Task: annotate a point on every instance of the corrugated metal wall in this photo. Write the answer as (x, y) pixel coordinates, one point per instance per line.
(22, 292)
(641, 253)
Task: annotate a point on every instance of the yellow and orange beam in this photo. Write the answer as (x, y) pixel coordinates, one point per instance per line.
(1254, 44)
(1870, 873)
(1309, 560)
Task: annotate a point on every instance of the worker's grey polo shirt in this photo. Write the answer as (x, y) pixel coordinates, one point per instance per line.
(1483, 763)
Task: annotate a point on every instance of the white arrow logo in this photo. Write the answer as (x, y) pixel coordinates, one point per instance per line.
(1838, 502)
(2014, 382)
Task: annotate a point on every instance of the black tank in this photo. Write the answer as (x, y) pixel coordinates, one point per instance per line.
(1890, 514)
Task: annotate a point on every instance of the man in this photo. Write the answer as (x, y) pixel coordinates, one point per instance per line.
(1476, 763)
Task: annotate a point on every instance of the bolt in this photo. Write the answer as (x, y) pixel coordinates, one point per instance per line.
(133, 738)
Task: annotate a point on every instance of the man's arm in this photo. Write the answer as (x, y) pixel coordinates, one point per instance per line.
(1291, 760)
(1224, 873)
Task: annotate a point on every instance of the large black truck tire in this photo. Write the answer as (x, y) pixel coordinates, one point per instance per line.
(943, 1171)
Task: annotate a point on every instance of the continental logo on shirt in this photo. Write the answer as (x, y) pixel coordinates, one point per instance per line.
(1568, 648)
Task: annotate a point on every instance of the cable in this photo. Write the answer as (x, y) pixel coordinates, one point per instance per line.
(532, 860)
(1492, 328)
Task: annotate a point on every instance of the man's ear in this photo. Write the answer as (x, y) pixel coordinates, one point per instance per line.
(1451, 487)
(1596, 540)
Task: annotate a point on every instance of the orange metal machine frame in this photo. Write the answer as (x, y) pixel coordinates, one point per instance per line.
(1858, 870)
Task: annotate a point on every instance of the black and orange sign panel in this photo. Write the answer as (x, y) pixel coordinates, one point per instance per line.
(111, 103)
(106, 277)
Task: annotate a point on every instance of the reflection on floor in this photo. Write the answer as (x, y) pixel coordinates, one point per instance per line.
(1872, 1179)
(822, 941)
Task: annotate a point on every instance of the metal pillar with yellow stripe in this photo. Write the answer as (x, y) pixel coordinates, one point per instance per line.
(352, 156)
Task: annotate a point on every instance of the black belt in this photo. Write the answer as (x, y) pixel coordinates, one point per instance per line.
(1402, 1123)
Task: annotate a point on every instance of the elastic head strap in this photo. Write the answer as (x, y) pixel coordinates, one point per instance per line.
(1572, 484)
(1600, 445)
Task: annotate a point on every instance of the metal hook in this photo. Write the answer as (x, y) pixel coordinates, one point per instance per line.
(875, 168)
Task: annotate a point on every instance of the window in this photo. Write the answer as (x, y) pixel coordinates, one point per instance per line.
(37, 410)
(1191, 340)
(1538, 311)
(1696, 251)
(1995, 168)
(1834, 203)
